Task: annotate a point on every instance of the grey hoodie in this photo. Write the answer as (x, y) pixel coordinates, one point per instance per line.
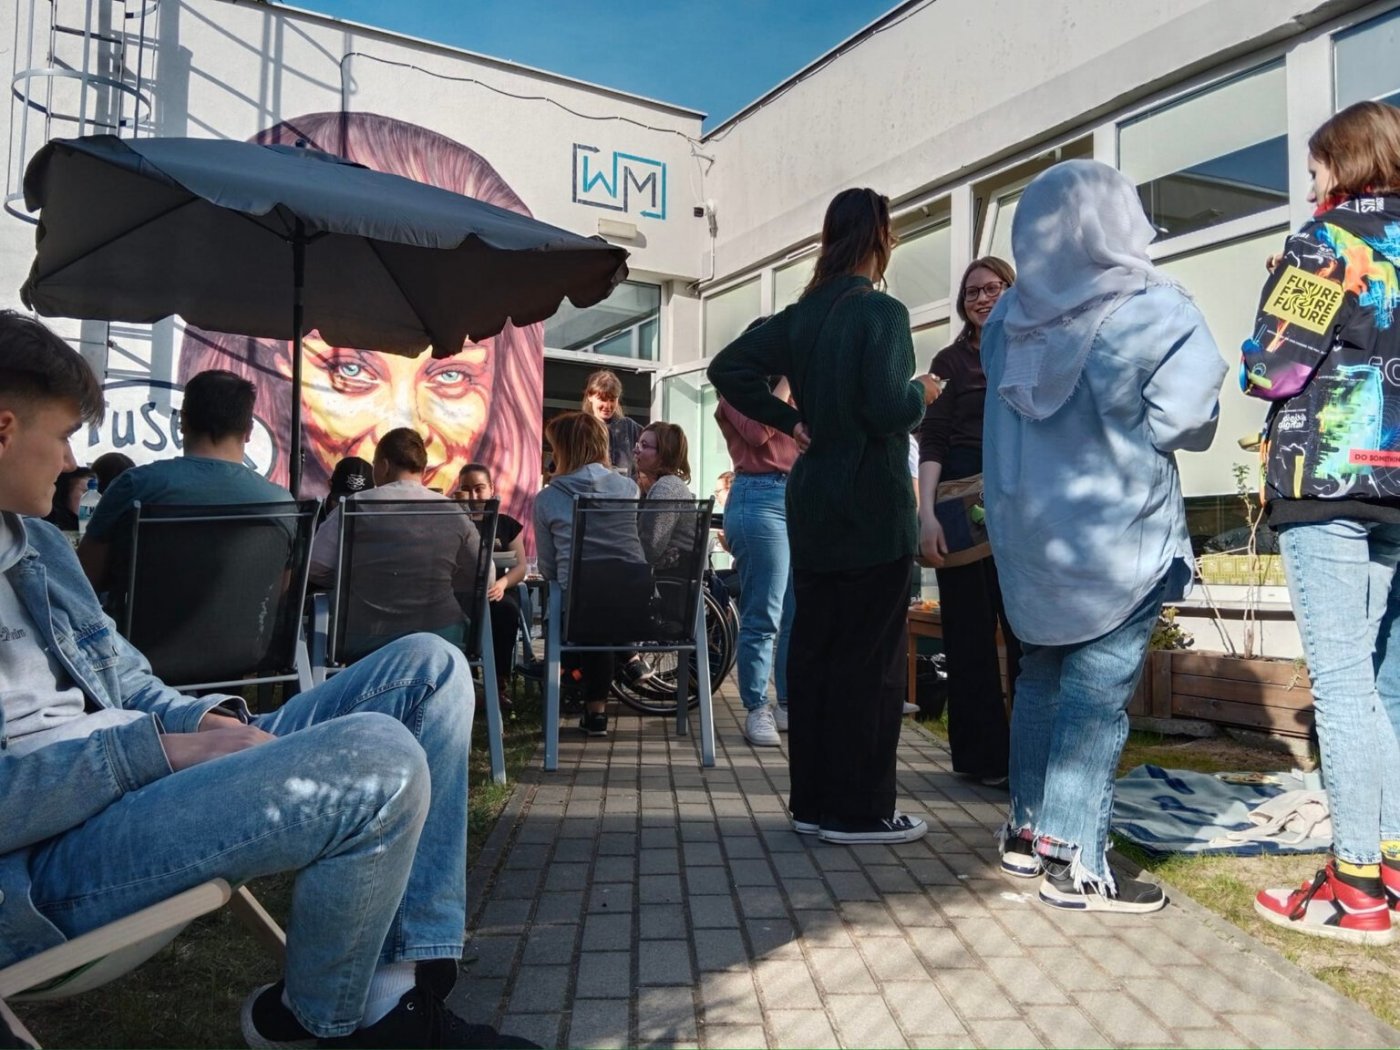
(554, 520)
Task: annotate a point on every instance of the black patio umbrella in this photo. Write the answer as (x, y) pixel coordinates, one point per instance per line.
(274, 241)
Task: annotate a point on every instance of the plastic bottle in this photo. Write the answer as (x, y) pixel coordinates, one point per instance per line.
(87, 505)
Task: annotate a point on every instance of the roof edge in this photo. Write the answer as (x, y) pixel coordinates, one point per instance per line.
(859, 36)
(437, 45)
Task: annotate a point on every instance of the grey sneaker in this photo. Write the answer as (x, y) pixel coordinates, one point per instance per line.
(780, 717)
(761, 729)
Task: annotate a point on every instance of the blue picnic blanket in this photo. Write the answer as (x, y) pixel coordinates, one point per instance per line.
(1180, 811)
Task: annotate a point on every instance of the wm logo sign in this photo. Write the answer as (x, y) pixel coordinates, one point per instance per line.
(619, 182)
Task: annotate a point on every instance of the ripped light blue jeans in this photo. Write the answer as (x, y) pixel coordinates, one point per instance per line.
(1067, 733)
(363, 794)
(1346, 595)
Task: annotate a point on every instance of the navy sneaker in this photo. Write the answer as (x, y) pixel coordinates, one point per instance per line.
(1019, 859)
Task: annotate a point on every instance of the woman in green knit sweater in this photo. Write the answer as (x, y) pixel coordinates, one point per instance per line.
(846, 351)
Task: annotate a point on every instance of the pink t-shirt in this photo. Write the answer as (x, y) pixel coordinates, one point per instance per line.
(754, 448)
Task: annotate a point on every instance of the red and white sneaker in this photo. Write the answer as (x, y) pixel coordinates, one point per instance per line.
(1328, 907)
(1390, 881)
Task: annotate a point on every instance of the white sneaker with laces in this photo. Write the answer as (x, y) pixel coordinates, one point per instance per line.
(780, 717)
(761, 729)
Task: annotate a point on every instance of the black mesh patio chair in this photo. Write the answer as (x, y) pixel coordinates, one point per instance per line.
(614, 603)
(213, 595)
(395, 575)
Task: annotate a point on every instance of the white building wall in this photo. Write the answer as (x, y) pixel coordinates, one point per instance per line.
(941, 91)
(229, 68)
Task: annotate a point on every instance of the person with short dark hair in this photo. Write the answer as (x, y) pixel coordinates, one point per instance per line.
(216, 422)
(109, 466)
(351, 475)
(67, 492)
(407, 572)
(121, 792)
(474, 487)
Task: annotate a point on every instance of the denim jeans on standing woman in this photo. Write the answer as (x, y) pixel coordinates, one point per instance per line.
(1067, 733)
(755, 527)
(364, 791)
(1346, 596)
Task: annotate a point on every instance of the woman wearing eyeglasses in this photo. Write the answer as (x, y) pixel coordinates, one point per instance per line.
(950, 447)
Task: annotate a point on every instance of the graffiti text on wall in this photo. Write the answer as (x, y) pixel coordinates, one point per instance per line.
(619, 182)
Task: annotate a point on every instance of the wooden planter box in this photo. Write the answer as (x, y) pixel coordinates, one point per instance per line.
(1266, 695)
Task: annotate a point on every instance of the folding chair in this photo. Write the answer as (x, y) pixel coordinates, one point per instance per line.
(106, 953)
(213, 595)
(399, 571)
(615, 605)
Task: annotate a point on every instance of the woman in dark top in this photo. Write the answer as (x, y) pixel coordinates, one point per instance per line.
(602, 399)
(950, 447)
(848, 355)
(474, 485)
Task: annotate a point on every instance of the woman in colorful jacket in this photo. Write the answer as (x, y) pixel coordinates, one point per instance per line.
(1326, 351)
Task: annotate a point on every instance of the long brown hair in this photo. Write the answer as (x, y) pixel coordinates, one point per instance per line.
(1361, 146)
(576, 439)
(671, 448)
(998, 266)
(857, 226)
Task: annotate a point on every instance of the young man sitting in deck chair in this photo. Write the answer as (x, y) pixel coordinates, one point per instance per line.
(119, 792)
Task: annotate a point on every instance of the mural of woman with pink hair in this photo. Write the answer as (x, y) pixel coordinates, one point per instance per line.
(482, 405)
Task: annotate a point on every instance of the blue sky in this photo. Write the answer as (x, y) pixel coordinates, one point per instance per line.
(712, 55)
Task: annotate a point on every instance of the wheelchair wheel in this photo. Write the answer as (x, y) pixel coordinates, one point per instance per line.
(657, 696)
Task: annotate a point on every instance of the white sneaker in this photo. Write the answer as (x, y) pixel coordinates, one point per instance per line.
(780, 718)
(761, 729)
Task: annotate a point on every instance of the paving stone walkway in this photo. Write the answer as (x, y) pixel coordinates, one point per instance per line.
(633, 899)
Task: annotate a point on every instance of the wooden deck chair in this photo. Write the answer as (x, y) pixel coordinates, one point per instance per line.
(104, 954)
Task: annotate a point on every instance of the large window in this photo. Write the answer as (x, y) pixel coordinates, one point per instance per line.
(1218, 155)
(626, 324)
(1367, 62)
(919, 270)
(998, 242)
(928, 341)
(790, 280)
(729, 313)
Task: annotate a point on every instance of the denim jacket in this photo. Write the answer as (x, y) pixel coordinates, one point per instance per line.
(57, 787)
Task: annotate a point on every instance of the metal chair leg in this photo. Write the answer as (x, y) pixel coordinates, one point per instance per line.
(702, 671)
(494, 731)
(551, 681)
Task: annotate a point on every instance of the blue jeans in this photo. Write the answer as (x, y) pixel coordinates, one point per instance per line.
(1067, 733)
(1346, 596)
(755, 527)
(364, 795)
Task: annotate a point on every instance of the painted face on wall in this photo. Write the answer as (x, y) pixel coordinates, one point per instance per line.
(351, 398)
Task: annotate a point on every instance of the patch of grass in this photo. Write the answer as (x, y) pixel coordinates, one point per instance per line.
(1226, 885)
(190, 993)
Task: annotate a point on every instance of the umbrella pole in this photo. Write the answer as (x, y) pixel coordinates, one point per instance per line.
(294, 454)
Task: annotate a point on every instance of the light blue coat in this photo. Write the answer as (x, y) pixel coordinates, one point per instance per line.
(1084, 507)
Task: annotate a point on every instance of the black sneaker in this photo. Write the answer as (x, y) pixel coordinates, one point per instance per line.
(421, 1020)
(594, 723)
(637, 672)
(1130, 895)
(267, 1024)
(1019, 859)
(898, 828)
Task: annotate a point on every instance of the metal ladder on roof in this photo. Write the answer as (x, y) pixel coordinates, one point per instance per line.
(80, 67)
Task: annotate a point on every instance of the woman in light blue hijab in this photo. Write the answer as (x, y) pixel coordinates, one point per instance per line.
(1099, 369)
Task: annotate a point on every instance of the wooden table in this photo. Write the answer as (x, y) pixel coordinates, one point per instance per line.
(928, 623)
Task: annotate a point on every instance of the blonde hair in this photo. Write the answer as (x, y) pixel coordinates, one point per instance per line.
(1361, 146)
(576, 439)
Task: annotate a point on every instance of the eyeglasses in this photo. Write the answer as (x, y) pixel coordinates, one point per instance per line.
(971, 294)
